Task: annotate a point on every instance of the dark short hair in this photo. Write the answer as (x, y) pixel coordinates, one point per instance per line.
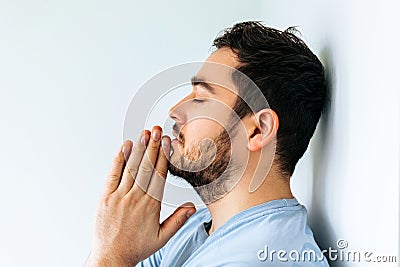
(291, 78)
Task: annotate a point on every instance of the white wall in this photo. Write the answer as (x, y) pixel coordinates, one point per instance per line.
(68, 71)
(349, 177)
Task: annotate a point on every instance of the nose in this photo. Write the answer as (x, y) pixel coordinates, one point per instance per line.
(177, 112)
(173, 113)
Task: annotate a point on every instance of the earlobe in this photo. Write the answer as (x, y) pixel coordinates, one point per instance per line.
(255, 141)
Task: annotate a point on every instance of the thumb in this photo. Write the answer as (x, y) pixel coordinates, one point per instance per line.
(175, 221)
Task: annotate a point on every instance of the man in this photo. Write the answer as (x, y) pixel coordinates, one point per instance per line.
(238, 152)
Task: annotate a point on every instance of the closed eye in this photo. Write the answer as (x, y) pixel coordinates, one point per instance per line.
(198, 100)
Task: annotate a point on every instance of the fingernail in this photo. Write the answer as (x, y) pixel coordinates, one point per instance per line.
(156, 135)
(165, 142)
(144, 139)
(126, 152)
(190, 213)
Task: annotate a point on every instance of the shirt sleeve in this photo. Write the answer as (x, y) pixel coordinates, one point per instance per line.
(154, 259)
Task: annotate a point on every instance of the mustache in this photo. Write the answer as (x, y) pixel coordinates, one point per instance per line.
(177, 129)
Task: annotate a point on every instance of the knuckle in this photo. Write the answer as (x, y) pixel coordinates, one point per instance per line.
(134, 198)
(178, 223)
(118, 159)
(157, 196)
(141, 184)
(147, 168)
(107, 200)
(150, 201)
(113, 176)
(153, 146)
(162, 173)
(112, 179)
(132, 170)
(152, 206)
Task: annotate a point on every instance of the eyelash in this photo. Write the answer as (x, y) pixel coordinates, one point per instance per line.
(198, 100)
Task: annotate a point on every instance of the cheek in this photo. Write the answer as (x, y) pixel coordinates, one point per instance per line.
(199, 129)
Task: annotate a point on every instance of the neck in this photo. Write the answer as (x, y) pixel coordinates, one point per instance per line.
(239, 199)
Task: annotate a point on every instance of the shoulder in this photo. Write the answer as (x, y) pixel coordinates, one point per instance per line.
(256, 239)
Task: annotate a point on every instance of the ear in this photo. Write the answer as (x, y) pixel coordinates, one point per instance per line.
(264, 129)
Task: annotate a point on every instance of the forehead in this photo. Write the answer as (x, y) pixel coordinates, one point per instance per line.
(218, 68)
(224, 56)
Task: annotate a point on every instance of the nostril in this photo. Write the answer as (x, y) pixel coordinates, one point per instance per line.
(173, 114)
(176, 115)
(177, 112)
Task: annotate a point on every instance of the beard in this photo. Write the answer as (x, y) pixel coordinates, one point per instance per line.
(209, 174)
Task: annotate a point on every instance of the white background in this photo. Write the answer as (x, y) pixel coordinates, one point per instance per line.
(68, 70)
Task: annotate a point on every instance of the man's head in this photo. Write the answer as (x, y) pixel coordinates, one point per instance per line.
(290, 77)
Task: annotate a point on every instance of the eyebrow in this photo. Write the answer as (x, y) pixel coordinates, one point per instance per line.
(200, 81)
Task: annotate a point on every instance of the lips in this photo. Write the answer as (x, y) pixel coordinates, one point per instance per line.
(175, 134)
(176, 140)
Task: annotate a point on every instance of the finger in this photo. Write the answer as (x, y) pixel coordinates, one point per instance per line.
(114, 176)
(157, 181)
(132, 165)
(148, 162)
(175, 221)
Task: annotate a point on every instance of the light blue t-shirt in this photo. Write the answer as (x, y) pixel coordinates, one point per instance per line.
(253, 237)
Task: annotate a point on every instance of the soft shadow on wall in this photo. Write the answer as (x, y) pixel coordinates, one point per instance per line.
(320, 154)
